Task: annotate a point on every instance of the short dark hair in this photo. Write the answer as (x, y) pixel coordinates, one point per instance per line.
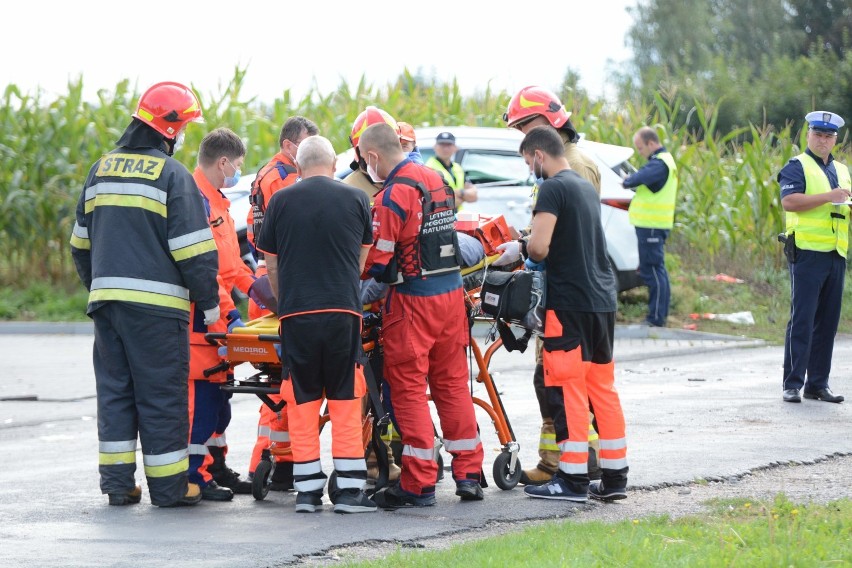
(218, 143)
(293, 127)
(544, 138)
(648, 134)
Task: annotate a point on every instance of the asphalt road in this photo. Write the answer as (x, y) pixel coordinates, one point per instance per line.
(696, 406)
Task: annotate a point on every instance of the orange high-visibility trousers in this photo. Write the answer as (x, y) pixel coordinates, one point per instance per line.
(579, 377)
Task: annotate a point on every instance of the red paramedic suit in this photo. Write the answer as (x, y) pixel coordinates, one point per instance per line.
(424, 326)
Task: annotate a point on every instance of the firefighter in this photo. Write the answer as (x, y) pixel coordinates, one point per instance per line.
(424, 323)
(309, 228)
(142, 247)
(359, 177)
(817, 235)
(579, 324)
(278, 173)
(530, 107)
(220, 159)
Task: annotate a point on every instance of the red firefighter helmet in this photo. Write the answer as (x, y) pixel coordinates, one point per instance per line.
(167, 107)
(371, 115)
(532, 101)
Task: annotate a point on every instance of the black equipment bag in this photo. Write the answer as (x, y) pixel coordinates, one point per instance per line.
(515, 297)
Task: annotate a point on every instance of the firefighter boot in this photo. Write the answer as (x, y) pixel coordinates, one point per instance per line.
(282, 477)
(548, 453)
(373, 466)
(225, 476)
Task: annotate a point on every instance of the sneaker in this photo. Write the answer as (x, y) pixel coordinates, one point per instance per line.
(601, 493)
(469, 490)
(353, 501)
(130, 498)
(214, 492)
(394, 497)
(191, 497)
(308, 502)
(556, 489)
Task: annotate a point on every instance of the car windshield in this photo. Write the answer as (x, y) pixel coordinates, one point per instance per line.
(490, 167)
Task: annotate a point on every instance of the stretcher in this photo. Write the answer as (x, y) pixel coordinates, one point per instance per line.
(258, 344)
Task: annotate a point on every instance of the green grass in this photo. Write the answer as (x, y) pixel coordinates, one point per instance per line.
(733, 533)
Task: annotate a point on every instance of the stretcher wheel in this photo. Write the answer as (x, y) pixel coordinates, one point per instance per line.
(502, 476)
(260, 481)
(440, 461)
(332, 483)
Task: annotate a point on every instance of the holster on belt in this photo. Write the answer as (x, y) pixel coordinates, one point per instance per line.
(790, 250)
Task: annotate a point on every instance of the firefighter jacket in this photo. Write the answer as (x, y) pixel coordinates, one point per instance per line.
(824, 228)
(418, 245)
(279, 173)
(141, 234)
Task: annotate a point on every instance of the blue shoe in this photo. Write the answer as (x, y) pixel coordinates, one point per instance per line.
(556, 489)
(601, 493)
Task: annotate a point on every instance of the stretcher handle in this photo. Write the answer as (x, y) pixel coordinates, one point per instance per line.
(223, 366)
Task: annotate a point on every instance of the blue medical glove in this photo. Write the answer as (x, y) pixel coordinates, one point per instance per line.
(234, 320)
(532, 265)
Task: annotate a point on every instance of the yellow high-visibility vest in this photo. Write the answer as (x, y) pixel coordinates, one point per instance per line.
(651, 210)
(817, 229)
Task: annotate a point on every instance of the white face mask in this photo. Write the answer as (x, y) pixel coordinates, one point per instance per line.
(539, 175)
(371, 171)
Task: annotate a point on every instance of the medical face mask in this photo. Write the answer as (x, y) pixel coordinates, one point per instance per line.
(540, 176)
(231, 181)
(371, 171)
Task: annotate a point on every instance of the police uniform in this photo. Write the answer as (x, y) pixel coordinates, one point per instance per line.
(816, 251)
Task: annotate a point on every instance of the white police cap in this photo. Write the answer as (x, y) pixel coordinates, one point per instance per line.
(824, 121)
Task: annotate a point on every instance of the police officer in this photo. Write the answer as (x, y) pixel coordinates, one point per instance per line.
(652, 213)
(452, 172)
(815, 192)
(142, 247)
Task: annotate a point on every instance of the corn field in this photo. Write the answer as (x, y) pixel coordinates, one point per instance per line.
(728, 207)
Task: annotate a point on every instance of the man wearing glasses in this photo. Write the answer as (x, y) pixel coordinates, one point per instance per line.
(815, 194)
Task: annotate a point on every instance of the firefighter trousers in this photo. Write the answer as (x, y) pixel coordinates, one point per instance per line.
(141, 364)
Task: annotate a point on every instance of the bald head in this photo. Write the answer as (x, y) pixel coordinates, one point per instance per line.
(315, 157)
(379, 147)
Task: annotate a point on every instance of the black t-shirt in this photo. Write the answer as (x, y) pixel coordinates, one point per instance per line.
(579, 275)
(316, 228)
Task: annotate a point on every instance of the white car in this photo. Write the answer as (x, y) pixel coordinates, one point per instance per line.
(491, 160)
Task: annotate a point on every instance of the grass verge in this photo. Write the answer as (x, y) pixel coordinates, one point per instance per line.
(733, 533)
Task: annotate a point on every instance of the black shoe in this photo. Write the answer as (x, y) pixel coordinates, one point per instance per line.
(227, 477)
(282, 477)
(825, 395)
(352, 501)
(214, 492)
(601, 493)
(469, 490)
(130, 498)
(395, 498)
(792, 395)
(308, 502)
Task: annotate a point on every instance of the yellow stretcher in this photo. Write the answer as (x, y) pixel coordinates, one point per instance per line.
(258, 344)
